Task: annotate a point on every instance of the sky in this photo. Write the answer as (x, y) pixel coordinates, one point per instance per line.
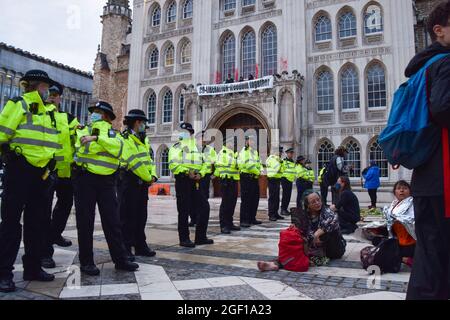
(66, 31)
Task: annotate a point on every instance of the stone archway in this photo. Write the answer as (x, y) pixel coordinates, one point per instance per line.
(245, 118)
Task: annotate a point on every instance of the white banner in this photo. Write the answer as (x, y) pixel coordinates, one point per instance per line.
(236, 87)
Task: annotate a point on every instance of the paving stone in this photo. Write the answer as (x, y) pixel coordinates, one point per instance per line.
(244, 292)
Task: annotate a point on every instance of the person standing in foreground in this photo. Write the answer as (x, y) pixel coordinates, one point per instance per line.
(186, 164)
(228, 173)
(67, 125)
(139, 174)
(29, 140)
(430, 276)
(275, 168)
(250, 168)
(372, 183)
(99, 149)
(287, 180)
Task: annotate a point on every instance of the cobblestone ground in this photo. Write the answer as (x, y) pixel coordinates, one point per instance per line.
(223, 271)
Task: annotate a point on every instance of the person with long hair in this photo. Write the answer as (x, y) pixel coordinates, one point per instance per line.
(347, 207)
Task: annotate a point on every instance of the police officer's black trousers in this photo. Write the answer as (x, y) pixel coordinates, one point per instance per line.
(228, 188)
(24, 191)
(57, 219)
(249, 198)
(430, 276)
(302, 186)
(287, 192)
(324, 192)
(133, 210)
(205, 183)
(91, 189)
(274, 197)
(189, 197)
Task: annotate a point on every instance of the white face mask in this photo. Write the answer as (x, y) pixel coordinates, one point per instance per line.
(96, 117)
(44, 95)
(142, 128)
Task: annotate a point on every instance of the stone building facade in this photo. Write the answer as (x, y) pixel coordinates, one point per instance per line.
(422, 10)
(15, 62)
(336, 65)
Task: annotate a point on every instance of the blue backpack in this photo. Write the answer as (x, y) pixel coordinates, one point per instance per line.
(409, 138)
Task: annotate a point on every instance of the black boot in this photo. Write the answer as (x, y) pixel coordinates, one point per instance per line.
(205, 241)
(127, 266)
(144, 252)
(90, 270)
(187, 244)
(62, 242)
(39, 275)
(48, 263)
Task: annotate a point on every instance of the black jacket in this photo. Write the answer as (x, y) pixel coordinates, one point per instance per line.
(428, 179)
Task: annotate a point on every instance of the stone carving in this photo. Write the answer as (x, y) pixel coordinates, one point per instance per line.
(350, 54)
(163, 80)
(169, 34)
(252, 18)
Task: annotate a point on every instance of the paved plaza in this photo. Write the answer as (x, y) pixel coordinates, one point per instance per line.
(223, 271)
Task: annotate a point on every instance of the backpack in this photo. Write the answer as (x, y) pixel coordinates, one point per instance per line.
(409, 138)
(330, 176)
(386, 255)
(291, 250)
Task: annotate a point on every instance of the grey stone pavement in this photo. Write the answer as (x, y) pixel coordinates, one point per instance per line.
(223, 271)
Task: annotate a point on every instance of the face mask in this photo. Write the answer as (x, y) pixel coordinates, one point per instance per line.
(96, 117)
(337, 186)
(142, 128)
(184, 136)
(44, 95)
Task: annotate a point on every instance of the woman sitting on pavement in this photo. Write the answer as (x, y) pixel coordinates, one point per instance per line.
(400, 220)
(321, 231)
(347, 207)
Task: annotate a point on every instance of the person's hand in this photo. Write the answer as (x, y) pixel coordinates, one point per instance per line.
(316, 241)
(86, 139)
(333, 207)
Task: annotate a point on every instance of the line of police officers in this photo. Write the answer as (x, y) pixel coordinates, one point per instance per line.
(192, 164)
(44, 151)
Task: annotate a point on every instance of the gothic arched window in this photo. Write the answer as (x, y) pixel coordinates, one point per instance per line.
(248, 54)
(324, 154)
(376, 154)
(151, 107)
(172, 12)
(188, 9)
(376, 86)
(156, 17)
(269, 51)
(169, 56)
(165, 172)
(229, 5)
(325, 91)
(349, 88)
(228, 56)
(186, 52)
(347, 25)
(323, 29)
(353, 159)
(154, 58)
(373, 20)
(167, 107)
(181, 108)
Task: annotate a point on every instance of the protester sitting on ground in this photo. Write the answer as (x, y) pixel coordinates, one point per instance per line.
(400, 220)
(347, 207)
(321, 232)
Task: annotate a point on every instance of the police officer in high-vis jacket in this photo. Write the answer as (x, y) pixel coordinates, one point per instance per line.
(275, 169)
(250, 168)
(288, 178)
(99, 148)
(186, 164)
(61, 182)
(138, 174)
(228, 172)
(29, 141)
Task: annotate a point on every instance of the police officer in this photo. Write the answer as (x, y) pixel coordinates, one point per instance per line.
(302, 181)
(29, 141)
(310, 176)
(228, 172)
(209, 158)
(287, 180)
(62, 183)
(139, 174)
(186, 163)
(250, 168)
(275, 169)
(99, 148)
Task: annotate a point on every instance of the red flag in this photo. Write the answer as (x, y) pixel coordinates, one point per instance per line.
(236, 74)
(257, 71)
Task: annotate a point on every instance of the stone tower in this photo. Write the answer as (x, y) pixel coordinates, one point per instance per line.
(111, 64)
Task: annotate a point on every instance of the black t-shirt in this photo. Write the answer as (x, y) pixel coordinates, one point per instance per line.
(349, 204)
